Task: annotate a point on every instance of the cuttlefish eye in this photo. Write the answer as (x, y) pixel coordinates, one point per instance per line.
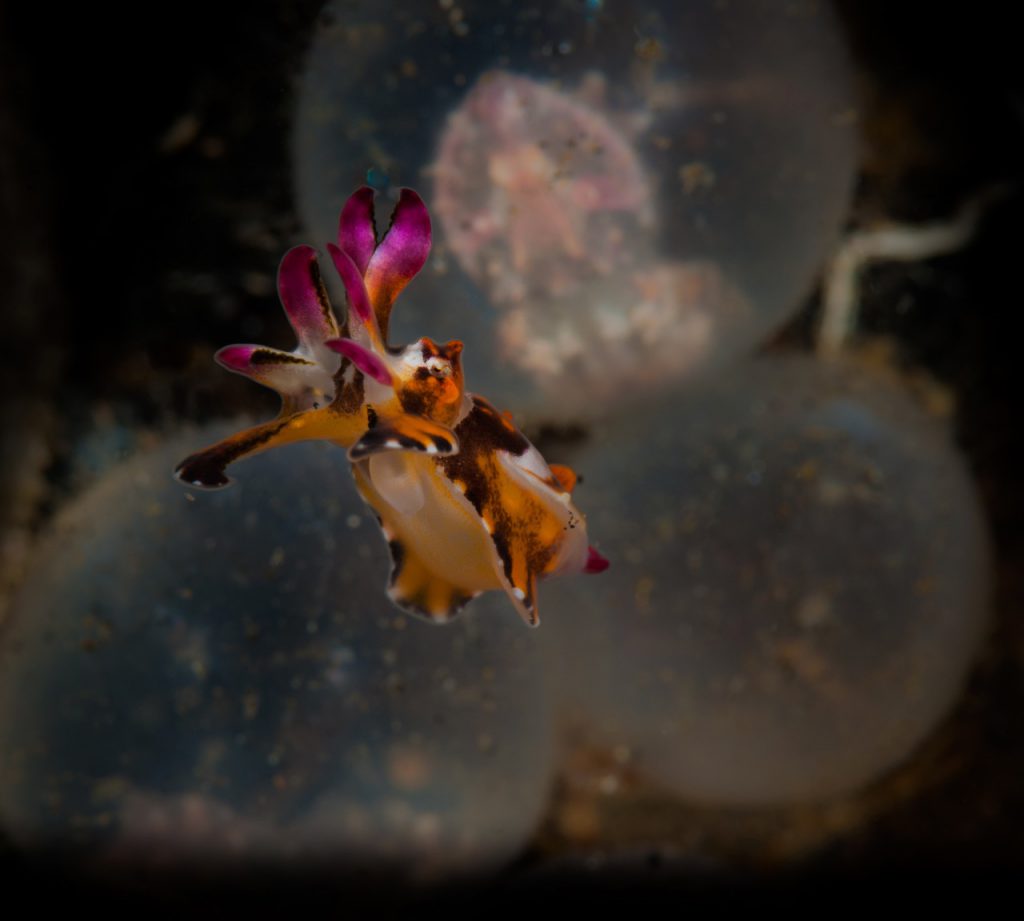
(430, 360)
(439, 367)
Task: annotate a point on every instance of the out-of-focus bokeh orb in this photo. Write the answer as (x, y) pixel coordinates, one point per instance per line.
(219, 676)
(797, 590)
(624, 194)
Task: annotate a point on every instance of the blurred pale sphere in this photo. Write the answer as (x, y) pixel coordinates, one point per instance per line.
(798, 584)
(623, 194)
(220, 676)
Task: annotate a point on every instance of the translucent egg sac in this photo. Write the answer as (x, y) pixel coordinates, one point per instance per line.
(623, 195)
(798, 584)
(220, 676)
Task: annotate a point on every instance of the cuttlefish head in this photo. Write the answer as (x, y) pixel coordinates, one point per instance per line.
(431, 382)
(425, 378)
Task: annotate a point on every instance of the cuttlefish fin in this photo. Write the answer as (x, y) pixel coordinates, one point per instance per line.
(404, 432)
(565, 476)
(206, 468)
(414, 587)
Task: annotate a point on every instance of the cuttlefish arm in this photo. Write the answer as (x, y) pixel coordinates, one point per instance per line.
(387, 265)
(206, 469)
(405, 432)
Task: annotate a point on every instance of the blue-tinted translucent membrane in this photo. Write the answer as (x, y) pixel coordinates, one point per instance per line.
(220, 676)
(798, 584)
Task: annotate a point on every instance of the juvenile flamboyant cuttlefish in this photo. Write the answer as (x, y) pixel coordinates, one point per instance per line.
(466, 503)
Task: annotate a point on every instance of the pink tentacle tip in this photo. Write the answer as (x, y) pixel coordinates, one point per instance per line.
(595, 562)
(302, 294)
(356, 234)
(362, 358)
(403, 251)
(235, 357)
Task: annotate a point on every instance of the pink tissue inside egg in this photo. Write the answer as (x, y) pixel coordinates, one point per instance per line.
(536, 190)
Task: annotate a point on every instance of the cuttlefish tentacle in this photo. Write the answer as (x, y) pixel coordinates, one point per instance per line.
(389, 265)
(367, 361)
(299, 381)
(357, 235)
(206, 468)
(362, 320)
(307, 305)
